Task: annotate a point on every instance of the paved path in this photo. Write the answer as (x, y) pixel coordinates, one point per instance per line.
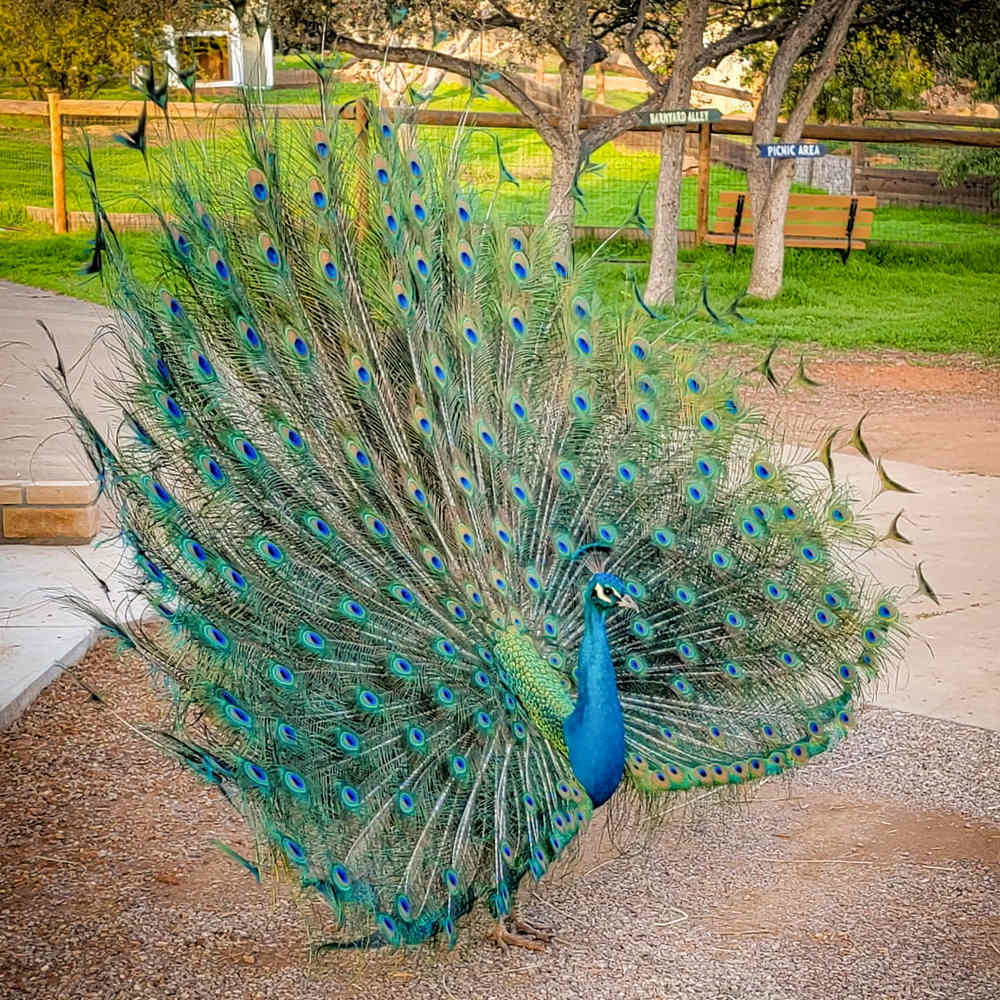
(951, 671)
(29, 411)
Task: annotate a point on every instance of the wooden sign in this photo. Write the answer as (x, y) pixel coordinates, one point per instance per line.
(790, 150)
(681, 116)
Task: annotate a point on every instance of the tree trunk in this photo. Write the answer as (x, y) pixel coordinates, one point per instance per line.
(769, 188)
(663, 256)
(561, 210)
(566, 156)
(769, 185)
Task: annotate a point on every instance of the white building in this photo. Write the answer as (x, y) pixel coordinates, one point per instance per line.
(226, 55)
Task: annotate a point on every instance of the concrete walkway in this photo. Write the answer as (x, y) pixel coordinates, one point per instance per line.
(951, 671)
(47, 486)
(29, 411)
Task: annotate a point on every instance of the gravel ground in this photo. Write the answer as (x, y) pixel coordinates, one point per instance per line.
(873, 875)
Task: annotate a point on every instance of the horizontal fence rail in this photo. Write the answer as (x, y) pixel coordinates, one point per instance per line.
(897, 162)
(498, 119)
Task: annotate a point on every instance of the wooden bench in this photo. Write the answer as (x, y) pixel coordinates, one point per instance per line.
(839, 222)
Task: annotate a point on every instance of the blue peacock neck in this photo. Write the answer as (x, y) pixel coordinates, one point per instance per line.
(595, 730)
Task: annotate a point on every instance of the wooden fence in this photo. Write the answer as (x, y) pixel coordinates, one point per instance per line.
(906, 186)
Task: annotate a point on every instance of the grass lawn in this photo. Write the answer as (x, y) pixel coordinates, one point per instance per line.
(925, 299)
(940, 291)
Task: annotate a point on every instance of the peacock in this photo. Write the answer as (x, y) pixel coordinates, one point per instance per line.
(439, 554)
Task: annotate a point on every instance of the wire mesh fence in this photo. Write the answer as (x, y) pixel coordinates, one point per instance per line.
(914, 205)
(25, 163)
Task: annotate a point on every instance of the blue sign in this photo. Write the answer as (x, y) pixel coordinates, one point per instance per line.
(790, 150)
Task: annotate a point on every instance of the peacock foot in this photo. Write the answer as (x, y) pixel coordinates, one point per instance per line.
(520, 933)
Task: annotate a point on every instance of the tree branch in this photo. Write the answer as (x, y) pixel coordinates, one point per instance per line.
(468, 68)
(718, 51)
(613, 126)
(835, 39)
(630, 39)
(791, 48)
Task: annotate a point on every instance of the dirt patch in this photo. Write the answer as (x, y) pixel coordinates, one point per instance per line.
(112, 887)
(941, 411)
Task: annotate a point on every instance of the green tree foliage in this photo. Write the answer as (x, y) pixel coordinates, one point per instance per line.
(968, 50)
(882, 62)
(79, 46)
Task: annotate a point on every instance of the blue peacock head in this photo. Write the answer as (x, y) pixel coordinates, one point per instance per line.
(605, 591)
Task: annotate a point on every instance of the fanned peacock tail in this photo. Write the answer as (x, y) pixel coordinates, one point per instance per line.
(368, 433)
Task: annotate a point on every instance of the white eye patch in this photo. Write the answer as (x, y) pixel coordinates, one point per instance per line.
(606, 595)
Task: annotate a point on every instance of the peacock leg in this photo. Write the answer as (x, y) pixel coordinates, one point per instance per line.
(515, 930)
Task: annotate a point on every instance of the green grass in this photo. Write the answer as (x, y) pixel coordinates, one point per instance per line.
(940, 292)
(934, 299)
(32, 255)
(921, 300)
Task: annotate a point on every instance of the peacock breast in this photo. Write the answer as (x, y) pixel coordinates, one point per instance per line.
(535, 684)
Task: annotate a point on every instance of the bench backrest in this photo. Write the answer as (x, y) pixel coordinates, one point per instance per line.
(816, 216)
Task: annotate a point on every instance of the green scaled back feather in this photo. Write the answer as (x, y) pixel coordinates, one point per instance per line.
(369, 429)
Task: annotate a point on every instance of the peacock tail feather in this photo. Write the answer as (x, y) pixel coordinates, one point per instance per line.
(368, 432)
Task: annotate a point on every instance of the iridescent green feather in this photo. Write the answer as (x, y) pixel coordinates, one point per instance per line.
(369, 430)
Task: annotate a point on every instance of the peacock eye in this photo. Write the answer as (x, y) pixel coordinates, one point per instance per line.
(602, 594)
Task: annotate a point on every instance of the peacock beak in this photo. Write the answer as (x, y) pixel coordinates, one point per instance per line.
(628, 602)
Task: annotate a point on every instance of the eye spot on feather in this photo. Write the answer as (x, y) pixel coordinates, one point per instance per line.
(663, 538)
(317, 195)
(281, 675)
(400, 666)
(250, 336)
(312, 640)
(368, 701)
(256, 774)
(161, 493)
(627, 472)
(297, 343)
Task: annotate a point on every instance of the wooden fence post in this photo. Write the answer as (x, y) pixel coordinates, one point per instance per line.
(857, 148)
(704, 176)
(599, 77)
(59, 218)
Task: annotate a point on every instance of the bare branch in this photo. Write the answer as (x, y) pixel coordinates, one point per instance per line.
(826, 64)
(613, 126)
(468, 68)
(718, 51)
(630, 39)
